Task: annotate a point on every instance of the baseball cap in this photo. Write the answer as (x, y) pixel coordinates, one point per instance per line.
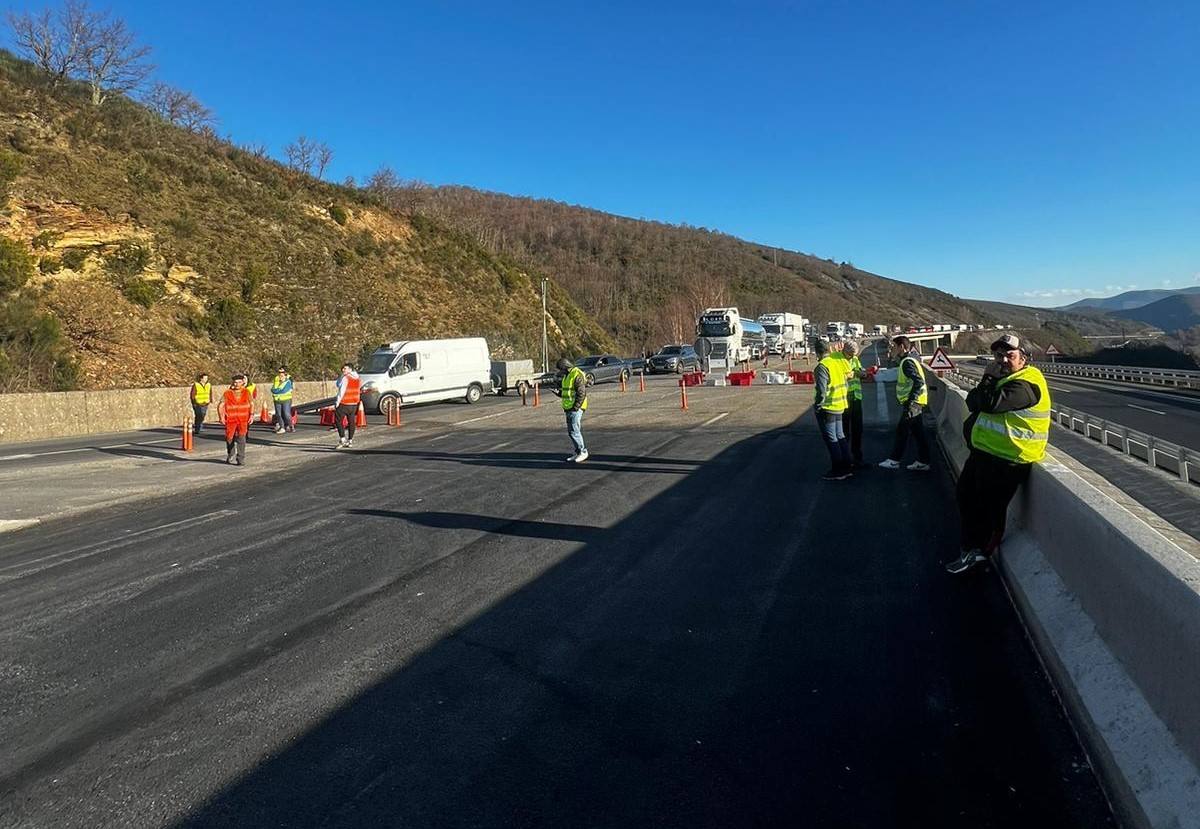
(1009, 342)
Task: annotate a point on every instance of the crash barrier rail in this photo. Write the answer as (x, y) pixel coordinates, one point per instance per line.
(1126, 374)
(1153, 451)
(1113, 607)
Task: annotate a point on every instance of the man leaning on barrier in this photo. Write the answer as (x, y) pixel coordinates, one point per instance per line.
(1007, 432)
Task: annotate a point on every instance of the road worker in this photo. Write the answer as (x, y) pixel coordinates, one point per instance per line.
(853, 419)
(253, 389)
(573, 392)
(201, 396)
(912, 392)
(345, 406)
(281, 394)
(830, 405)
(1007, 431)
(235, 410)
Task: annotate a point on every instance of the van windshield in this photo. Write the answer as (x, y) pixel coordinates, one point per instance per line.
(380, 362)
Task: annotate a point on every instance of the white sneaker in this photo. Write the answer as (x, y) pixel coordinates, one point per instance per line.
(889, 464)
(571, 458)
(341, 443)
(350, 445)
(581, 457)
(917, 466)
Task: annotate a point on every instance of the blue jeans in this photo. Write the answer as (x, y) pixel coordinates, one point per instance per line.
(283, 414)
(574, 429)
(830, 424)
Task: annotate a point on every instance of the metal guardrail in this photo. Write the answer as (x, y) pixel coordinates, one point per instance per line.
(1127, 374)
(1153, 451)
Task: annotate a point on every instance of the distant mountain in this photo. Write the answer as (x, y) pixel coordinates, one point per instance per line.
(1027, 318)
(1129, 299)
(1172, 313)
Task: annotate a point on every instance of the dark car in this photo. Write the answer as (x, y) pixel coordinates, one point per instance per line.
(674, 359)
(603, 368)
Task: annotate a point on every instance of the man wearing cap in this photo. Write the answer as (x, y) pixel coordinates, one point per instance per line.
(281, 393)
(853, 419)
(574, 402)
(912, 392)
(1007, 431)
(830, 405)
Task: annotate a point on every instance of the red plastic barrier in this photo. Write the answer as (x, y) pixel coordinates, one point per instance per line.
(802, 377)
(693, 378)
(327, 416)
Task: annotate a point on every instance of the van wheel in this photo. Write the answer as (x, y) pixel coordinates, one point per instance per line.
(474, 392)
(387, 403)
(591, 379)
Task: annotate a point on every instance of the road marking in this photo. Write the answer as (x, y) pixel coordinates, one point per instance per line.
(713, 420)
(84, 449)
(9, 524)
(476, 419)
(68, 556)
(16, 457)
(498, 446)
(1144, 409)
(439, 437)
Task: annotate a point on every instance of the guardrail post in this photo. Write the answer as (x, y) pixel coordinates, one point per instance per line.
(1125, 439)
(1150, 459)
(1183, 465)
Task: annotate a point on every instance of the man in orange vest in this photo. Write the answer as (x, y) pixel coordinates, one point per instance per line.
(235, 410)
(346, 405)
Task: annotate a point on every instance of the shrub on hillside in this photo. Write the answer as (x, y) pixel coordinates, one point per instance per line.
(46, 240)
(50, 264)
(339, 214)
(141, 177)
(34, 354)
(252, 279)
(16, 265)
(343, 258)
(227, 318)
(74, 258)
(10, 167)
(129, 259)
(142, 292)
(183, 225)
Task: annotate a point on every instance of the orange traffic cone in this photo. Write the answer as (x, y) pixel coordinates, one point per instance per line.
(265, 415)
(186, 441)
(537, 394)
(360, 418)
(622, 382)
(683, 395)
(642, 381)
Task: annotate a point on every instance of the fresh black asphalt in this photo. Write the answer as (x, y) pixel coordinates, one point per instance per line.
(689, 630)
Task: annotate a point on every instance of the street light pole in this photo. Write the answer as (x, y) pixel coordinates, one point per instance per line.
(545, 341)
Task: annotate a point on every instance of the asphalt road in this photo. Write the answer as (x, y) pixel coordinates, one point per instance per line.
(462, 630)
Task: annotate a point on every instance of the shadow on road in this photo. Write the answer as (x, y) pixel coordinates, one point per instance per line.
(734, 652)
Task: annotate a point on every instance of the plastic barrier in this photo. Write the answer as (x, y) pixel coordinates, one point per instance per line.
(799, 377)
(327, 417)
(693, 378)
(741, 378)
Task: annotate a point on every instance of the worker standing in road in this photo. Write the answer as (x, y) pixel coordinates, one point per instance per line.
(281, 394)
(235, 410)
(1007, 432)
(346, 405)
(201, 397)
(830, 406)
(912, 392)
(853, 419)
(253, 389)
(574, 402)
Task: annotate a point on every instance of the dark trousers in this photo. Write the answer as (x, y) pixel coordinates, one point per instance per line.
(235, 438)
(986, 485)
(852, 421)
(911, 425)
(830, 424)
(348, 412)
(199, 412)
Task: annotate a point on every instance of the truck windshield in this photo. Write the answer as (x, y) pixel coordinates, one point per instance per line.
(714, 329)
(770, 328)
(379, 363)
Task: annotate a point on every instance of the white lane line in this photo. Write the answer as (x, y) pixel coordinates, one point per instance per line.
(1144, 409)
(484, 417)
(498, 446)
(84, 449)
(713, 420)
(439, 437)
(15, 457)
(9, 524)
(67, 556)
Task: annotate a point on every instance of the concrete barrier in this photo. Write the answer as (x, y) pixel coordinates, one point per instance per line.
(28, 417)
(1114, 610)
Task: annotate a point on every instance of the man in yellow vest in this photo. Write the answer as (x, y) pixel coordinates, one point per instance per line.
(201, 396)
(573, 392)
(1007, 430)
(853, 419)
(912, 392)
(830, 405)
(281, 395)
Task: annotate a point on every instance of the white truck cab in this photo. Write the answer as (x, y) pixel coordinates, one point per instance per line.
(424, 371)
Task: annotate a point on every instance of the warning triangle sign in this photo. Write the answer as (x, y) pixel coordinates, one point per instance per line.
(1052, 351)
(940, 362)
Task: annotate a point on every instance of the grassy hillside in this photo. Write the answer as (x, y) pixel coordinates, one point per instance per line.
(133, 252)
(646, 281)
(1171, 314)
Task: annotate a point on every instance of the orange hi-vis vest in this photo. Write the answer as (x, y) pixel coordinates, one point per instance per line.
(237, 407)
(351, 397)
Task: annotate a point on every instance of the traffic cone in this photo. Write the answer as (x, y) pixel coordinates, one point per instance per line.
(295, 419)
(537, 394)
(185, 443)
(642, 381)
(265, 415)
(683, 395)
(360, 418)
(622, 383)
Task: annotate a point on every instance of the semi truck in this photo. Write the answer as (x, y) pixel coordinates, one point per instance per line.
(835, 329)
(785, 333)
(729, 337)
(855, 329)
(880, 330)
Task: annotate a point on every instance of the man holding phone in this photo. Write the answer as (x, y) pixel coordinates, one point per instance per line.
(1007, 430)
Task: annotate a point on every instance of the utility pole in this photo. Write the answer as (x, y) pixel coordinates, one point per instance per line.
(545, 341)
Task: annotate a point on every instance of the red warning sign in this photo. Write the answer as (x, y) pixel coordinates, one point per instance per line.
(940, 361)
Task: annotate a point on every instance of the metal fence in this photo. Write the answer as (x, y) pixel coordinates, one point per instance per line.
(1126, 374)
(1153, 451)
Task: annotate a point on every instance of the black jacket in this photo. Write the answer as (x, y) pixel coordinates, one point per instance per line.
(994, 399)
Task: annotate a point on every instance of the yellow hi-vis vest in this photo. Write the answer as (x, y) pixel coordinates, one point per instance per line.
(835, 397)
(568, 390)
(853, 381)
(203, 392)
(1019, 435)
(904, 384)
(276, 385)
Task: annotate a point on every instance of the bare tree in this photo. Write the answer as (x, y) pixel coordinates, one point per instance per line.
(114, 61)
(57, 42)
(322, 157)
(180, 108)
(301, 154)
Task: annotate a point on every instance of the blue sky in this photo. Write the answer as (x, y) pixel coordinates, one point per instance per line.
(1029, 152)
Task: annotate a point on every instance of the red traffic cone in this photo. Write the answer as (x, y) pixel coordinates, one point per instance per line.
(360, 418)
(185, 443)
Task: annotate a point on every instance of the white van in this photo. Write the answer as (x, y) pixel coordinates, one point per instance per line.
(423, 371)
